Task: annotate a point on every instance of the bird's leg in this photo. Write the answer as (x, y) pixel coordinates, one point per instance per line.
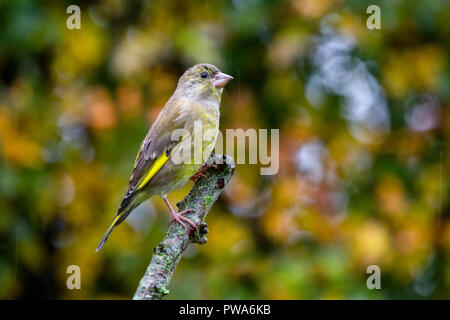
(200, 172)
(178, 216)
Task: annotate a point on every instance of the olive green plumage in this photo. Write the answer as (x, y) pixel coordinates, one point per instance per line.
(196, 98)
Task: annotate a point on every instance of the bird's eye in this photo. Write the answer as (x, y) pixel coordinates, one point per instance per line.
(203, 75)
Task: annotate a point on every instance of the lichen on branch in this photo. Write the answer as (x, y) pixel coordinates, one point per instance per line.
(166, 255)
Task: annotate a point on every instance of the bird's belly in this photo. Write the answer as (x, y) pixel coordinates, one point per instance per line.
(198, 155)
(174, 175)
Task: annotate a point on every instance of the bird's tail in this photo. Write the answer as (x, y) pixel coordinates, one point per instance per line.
(108, 232)
(117, 220)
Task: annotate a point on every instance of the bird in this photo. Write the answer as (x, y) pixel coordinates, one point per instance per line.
(196, 99)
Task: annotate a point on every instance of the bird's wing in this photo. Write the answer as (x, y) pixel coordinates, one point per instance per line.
(156, 148)
(154, 152)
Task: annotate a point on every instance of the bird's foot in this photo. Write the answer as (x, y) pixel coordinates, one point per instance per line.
(178, 216)
(200, 172)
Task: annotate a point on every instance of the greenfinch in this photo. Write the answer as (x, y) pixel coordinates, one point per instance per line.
(196, 98)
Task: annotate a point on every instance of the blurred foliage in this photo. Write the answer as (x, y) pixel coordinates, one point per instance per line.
(364, 119)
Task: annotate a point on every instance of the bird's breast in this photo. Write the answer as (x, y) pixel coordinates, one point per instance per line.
(204, 128)
(210, 127)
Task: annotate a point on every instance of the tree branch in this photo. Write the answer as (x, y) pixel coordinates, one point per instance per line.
(154, 283)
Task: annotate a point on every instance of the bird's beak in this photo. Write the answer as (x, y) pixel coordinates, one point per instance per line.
(221, 79)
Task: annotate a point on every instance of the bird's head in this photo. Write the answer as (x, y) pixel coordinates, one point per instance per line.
(203, 81)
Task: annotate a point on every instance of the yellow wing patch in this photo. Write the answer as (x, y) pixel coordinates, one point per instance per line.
(156, 166)
(154, 169)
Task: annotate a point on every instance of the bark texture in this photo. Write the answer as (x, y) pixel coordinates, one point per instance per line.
(166, 255)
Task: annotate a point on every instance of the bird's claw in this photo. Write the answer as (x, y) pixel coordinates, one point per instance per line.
(200, 172)
(196, 176)
(178, 216)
